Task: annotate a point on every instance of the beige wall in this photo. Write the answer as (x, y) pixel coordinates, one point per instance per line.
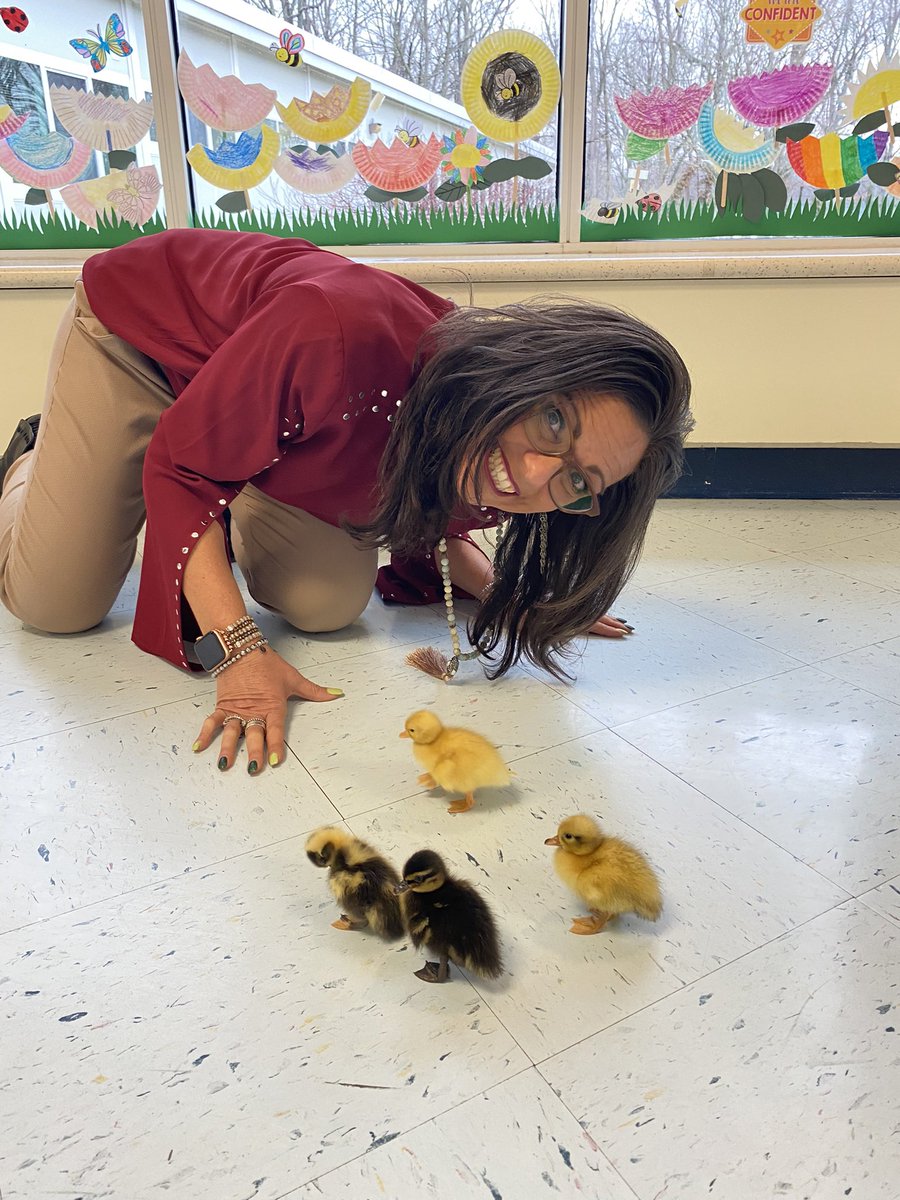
(774, 362)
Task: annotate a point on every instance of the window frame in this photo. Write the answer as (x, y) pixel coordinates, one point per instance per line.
(566, 259)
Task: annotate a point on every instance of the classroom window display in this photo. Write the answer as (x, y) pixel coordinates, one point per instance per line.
(712, 118)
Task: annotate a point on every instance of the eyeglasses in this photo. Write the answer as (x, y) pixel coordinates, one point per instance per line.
(550, 431)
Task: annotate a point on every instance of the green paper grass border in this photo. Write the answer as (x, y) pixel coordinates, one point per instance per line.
(65, 232)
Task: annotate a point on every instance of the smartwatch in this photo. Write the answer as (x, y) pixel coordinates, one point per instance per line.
(211, 650)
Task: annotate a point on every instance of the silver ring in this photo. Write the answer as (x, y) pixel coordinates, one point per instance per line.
(255, 721)
(233, 717)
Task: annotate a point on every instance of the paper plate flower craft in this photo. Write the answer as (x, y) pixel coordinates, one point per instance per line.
(314, 173)
(133, 194)
(731, 145)
(43, 160)
(639, 149)
(11, 122)
(664, 112)
(510, 85)
(331, 117)
(874, 89)
(398, 167)
(464, 156)
(779, 97)
(104, 122)
(831, 162)
(238, 165)
(222, 102)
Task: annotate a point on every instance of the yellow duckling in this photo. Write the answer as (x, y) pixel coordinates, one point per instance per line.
(609, 875)
(458, 760)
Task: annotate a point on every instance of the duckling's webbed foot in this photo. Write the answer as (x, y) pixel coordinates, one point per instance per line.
(345, 922)
(459, 806)
(592, 924)
(434, 972)
(427, 781)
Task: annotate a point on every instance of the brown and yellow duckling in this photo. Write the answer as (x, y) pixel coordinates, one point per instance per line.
(362, 881)
(449, 918)
(610, 876)
(455, 759)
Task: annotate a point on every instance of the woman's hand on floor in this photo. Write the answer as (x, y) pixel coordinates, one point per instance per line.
(611, 627)
(260, 685)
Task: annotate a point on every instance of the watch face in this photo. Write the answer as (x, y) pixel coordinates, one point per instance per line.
(209, 650)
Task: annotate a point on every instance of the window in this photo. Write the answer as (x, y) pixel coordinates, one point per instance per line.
(77, 167)
(352, 131)
(709, 118)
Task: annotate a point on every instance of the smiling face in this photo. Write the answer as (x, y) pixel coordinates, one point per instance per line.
(608, 443)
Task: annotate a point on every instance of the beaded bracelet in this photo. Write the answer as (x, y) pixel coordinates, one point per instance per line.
(260, 645)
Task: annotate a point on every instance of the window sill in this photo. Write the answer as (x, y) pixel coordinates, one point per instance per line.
(790, 259)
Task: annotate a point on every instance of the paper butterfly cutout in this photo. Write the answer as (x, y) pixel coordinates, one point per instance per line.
(113, 43)
(136, 201)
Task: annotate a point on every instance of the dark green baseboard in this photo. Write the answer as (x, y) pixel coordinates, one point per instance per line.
(786, 473)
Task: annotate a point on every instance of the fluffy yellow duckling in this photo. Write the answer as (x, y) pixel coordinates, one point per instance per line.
(361, 880)
(610, 875)
(458, 760)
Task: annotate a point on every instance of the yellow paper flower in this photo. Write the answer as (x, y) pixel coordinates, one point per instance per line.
(237, 166)
(510, 85)
(331, 117)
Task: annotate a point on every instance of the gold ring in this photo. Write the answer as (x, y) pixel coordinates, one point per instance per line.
(233, 717)
(255, 721)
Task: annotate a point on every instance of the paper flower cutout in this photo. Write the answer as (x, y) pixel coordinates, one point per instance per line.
(331, 117)
(43, 160)
(133, 194)
(397, 167)
(136, 201)
(640, 149)
(237, 166)
(465, 155)
(664, 112)
(834, 162)
(779, 97)
(222, 102)
(510, 85)
(11, 122)
(878, 86)
(315, 174)
(104, 122)
(730, 145)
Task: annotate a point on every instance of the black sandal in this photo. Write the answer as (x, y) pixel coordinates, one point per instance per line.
(20, 443)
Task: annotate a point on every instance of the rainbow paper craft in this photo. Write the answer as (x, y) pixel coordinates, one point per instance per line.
(775, 98)
(734, 147)
(397, 167)
(313, 173)
(104, 122)
(43, 160)
(834, 162)
(664, 112)
(11, 122)
(331, 117)
(222, 102)
(238, 165)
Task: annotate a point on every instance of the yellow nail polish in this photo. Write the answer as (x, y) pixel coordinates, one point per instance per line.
(273, 760)
(196, 746)
(334, 691)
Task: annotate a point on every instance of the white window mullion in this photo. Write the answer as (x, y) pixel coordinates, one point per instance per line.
(160, 37)
(574, 65)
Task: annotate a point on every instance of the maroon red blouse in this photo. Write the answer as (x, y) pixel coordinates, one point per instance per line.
(288, 364)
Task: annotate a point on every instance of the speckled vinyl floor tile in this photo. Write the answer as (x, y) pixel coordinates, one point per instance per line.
(788, 526)
(726, 888)
(213, 1037)
(759, 1081)
(806, 759)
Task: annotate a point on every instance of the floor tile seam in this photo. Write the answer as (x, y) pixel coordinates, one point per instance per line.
(877, 912)
(698, 575)
(406, 1132)
(100, 720)
(736, 816)
(192, 873)
(822, 668)
(842, 574)
(315, 666)
(541, 1063)
(744, 538)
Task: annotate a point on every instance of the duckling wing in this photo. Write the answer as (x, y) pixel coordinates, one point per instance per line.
(468, 761)
(621, 881)
(469, 931)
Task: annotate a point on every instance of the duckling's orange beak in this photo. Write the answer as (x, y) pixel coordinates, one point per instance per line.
(404, 734)
(554, 841)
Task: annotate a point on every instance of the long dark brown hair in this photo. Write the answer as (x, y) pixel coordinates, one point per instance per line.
(482, 370)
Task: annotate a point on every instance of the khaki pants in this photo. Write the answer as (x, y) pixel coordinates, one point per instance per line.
(71, 509)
